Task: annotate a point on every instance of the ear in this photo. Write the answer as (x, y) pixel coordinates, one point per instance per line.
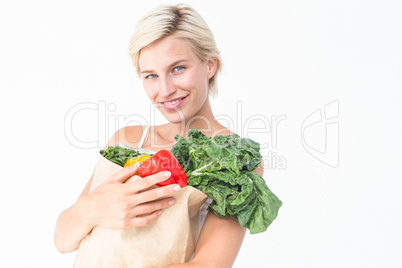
(212, 64)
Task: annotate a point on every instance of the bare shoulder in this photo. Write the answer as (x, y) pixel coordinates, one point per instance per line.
(129, 135)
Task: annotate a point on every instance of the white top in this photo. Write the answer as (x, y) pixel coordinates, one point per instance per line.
(144, 134)
(204, 208)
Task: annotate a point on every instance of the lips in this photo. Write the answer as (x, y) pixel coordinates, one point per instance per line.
(173, 103)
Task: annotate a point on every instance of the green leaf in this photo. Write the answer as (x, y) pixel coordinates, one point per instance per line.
(221, 168)
(119, 155)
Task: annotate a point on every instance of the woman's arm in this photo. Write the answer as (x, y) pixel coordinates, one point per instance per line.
(70, 226)
(219, 241)
(112, 204)
(218, 244)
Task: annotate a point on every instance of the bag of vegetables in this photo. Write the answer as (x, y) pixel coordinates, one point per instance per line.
(219, 167)
(169, 239)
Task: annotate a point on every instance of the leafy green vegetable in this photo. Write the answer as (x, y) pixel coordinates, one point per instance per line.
(221, 168)
(119, 155)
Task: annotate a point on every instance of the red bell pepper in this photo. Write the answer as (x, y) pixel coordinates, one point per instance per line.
(164, 160)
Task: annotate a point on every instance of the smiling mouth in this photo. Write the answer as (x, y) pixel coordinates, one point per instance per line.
(173, 102)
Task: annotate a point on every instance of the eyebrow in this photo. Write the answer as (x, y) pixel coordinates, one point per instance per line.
(171, 65)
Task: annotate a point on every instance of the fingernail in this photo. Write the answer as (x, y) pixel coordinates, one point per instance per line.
(171, 202)
(176, 188)
(166, 174)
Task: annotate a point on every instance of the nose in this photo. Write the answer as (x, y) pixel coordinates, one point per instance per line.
(167, 87)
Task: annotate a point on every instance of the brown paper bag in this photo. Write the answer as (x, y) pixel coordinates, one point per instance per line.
(170, 239)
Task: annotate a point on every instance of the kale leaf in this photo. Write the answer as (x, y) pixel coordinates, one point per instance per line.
(221, 168)
(119, 155)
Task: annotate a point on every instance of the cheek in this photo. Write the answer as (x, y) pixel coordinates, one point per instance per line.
(149, 89)
(193, 79)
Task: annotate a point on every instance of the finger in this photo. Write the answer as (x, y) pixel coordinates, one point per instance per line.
(122, 175)
(149, 181)
(145, 220)
(133, 179)
(155, 194)
(148, 208)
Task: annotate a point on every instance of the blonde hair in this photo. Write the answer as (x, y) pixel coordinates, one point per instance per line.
(180, 21)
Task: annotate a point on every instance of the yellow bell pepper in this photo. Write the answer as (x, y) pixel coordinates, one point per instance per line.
(134, 160)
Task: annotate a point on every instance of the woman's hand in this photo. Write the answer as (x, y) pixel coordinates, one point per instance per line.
(120, 204)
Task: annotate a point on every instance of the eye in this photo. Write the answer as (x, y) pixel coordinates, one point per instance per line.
(178, 69)
(150, 76)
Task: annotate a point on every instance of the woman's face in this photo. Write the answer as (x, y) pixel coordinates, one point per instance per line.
(175, 79)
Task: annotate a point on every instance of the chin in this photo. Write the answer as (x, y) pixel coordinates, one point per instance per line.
(174, 118)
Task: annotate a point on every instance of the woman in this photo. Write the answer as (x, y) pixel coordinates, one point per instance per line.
(175, 55)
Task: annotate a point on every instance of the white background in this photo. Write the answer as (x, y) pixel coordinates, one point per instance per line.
(286, 58)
